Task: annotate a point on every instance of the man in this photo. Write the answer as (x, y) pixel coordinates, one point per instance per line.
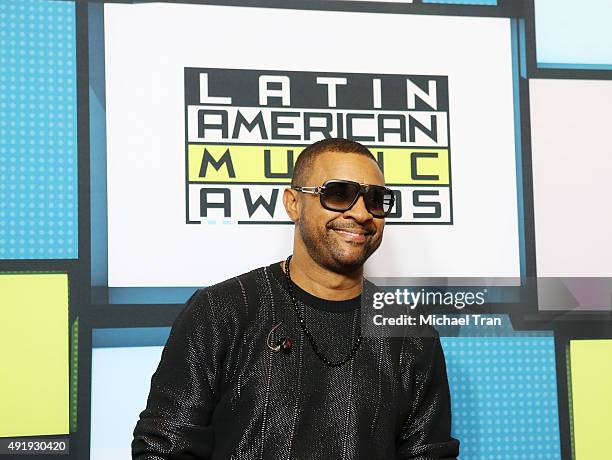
(271, 364)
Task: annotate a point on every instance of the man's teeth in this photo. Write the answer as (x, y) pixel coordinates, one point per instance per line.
(348, 231)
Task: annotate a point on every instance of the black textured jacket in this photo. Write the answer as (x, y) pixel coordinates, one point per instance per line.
(220, 393)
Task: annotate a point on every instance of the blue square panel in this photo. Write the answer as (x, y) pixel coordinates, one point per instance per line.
(38, 129)
(573, 34)
(504, 397)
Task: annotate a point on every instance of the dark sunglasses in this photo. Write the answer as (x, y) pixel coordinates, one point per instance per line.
(341, 195)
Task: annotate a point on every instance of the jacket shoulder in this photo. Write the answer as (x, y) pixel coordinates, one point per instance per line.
(231, 296)
(233, 284)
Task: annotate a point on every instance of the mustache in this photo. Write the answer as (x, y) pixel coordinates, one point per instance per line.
(352, 227)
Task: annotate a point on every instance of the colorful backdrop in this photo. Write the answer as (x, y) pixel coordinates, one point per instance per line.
(144, 148)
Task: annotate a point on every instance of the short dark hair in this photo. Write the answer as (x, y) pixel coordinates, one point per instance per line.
(309, 154)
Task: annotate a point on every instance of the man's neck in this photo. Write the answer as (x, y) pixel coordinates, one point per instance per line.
(323, 283)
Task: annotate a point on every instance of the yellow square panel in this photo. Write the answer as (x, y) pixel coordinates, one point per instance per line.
(34, 340)
(591, 380)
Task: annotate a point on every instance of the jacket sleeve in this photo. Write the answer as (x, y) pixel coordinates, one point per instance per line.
(176, 421)
(425, 433)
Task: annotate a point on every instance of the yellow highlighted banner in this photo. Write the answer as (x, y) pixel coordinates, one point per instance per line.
(406, 166)
(591, 381)
(261, 164)
(34, 372)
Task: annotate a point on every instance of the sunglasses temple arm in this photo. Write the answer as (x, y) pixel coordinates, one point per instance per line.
(313, 190)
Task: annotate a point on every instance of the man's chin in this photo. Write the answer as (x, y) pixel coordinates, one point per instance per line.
(350, 262)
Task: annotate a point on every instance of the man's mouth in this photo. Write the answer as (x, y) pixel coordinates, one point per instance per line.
(352, 234)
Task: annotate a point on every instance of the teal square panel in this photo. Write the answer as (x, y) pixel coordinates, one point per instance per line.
(504, 397)
(38, 130)
(573, 34)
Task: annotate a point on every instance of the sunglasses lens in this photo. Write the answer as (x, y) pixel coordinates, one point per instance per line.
(379, 201)
(340, 195)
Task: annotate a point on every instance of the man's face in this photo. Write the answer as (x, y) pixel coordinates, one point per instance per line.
(340, 241)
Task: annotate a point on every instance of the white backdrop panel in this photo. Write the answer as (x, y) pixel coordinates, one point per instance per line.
(148, 46)
(572, 167)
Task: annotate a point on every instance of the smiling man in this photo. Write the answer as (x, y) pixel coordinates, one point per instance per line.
(272, 365)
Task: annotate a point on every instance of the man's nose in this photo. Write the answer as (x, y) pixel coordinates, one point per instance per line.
(359, 212)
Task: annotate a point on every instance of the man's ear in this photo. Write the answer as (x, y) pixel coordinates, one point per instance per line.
(292, 204)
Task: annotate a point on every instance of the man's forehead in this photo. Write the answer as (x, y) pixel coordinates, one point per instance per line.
(346, 165)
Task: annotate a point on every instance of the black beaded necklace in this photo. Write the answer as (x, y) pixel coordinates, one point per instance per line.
(307, 333)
